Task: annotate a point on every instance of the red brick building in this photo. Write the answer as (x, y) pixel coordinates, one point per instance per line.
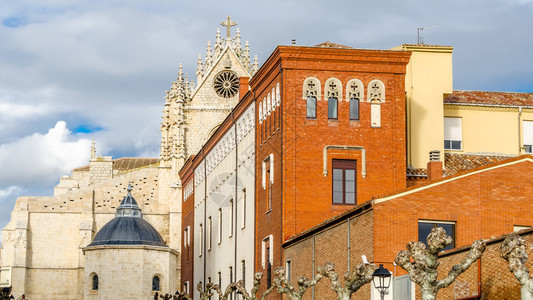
(340, 122)
(483, 202)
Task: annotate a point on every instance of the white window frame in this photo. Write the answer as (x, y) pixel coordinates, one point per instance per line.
(232, 219)
(243, 206)
(209, 233)
(452, 133)
(220, 225)
(201, 242)
(527, 132)
(270, 240)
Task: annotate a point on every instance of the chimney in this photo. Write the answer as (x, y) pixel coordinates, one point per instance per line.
(244, 87)
(434, 169)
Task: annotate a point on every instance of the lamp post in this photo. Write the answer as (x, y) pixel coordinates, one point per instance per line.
(381, 279)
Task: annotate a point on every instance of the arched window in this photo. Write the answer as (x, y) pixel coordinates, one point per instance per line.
(311, 107)
(311, 93)
(95, 282)
(354, 108)
(332, 108)
(376, 96)
(155, 283)
(333, 93)
(269, 105)
(354, 94)
(260, 112)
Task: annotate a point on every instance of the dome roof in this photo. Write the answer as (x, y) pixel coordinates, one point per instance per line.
(128, 227)
(128, 231)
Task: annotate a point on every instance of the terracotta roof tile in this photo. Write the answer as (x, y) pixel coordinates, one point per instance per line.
(458, 162)
(490, 98)
(455, 163)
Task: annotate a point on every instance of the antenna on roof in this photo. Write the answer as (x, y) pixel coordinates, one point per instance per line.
(421, 39)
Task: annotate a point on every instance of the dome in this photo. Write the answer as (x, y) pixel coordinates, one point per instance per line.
(128, 227)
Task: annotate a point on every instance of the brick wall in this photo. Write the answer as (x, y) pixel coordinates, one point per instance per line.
(331, 245)
(497, 282)
(486, 203)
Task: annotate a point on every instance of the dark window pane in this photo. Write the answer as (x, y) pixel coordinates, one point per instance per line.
(311, 107)
(528, 148)
(456, 145)
(447, 144)
(95, 282)
(155, 283)
(424, 229)
(354, 109)
(332, 108)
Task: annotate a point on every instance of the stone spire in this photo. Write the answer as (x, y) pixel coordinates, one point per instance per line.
(93, 150)
(212, 55)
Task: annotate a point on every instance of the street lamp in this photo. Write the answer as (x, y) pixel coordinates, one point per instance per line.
(381, 279)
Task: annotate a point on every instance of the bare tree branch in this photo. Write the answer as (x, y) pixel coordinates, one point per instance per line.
(353, 281)
(283, 286)
(423, 270)
(513, 249)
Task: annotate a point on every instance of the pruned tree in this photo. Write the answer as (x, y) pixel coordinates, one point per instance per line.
(423, 270)
(227, 292)
(283, 286)
(207, 292)
(252, 295)
(353, 281)
(513, 249)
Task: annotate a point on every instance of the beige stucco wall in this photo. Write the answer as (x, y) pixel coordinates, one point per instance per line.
(428, 77)
(490, 129)
(126, 271)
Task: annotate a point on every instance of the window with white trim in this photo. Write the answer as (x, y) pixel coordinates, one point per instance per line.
(425, 226)
(528, 136)
(311, 93)
(201, 243)
(243, 208)
(219, 226)
(209, 233)
(453, 133)
(232, 215)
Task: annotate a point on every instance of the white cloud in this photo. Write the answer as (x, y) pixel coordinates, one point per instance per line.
(40, 159)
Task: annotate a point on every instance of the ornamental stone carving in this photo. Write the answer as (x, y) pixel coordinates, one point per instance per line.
(355, 90)
(311, 88)
(333, 89)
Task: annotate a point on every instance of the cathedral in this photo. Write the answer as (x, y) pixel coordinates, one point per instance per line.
(262, 167)
(117, 222)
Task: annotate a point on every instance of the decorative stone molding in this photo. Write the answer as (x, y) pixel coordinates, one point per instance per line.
(188, 190)
(333, 89)
(376, 91)
(355, 89)
(311, 88)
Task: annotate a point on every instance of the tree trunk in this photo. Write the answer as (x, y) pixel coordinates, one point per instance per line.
(526, 293)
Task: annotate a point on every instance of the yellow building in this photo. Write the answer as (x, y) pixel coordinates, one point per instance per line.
(459, 122)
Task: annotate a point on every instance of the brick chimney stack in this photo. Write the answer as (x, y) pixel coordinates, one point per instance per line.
(434, 169)
(244, 87)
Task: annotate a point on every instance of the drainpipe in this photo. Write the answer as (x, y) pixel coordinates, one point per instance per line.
(363, 157)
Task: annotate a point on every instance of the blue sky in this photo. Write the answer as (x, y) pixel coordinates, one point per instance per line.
(76, 70)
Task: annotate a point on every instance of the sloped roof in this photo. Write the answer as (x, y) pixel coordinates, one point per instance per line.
(329, 44)
(126, 163)
(455, 162)
(489, 98)
(459, 162)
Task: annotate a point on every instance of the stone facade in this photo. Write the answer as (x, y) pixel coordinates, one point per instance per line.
(127, 271)
(42, 244)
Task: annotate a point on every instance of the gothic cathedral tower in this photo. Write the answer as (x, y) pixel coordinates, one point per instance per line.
(194, 110)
